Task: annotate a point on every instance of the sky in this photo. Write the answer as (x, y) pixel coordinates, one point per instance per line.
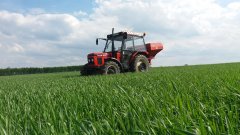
(48, 33)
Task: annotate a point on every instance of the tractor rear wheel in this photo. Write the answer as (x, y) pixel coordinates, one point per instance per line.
(111, 67)
(140, 64)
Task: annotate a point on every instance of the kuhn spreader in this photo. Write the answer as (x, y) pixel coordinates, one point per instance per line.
(123, 52)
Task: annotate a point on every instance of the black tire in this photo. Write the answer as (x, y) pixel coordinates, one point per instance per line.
(140, 64)
(84, 71)
(111, 67)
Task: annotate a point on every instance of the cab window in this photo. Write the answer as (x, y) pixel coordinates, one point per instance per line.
(117, 45)
(129, 45)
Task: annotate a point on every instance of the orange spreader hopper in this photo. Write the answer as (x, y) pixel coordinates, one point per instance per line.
(154, 48)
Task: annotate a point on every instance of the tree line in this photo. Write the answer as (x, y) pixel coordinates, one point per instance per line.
(31, 70)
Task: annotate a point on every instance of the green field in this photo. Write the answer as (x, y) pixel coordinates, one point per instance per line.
(201, 99)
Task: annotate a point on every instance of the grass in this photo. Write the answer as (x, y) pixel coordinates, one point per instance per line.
(169, 100)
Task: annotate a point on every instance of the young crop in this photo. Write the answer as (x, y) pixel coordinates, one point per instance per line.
(171, 100)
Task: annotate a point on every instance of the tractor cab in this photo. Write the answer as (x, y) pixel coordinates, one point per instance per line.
(123, 51)
(122, 46)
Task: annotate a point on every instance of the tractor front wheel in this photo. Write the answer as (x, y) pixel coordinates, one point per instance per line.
(140, 64)
(111, 67)
(83, 70)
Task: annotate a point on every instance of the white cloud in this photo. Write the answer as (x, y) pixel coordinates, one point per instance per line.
(48, 39)
(36, 11)
(16, 48)
(199, 31)
(80, 13)
(234, 6)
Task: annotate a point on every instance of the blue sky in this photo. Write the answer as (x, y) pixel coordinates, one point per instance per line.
(62, 6)
(225, 2)
(40, 33)
(59, 6)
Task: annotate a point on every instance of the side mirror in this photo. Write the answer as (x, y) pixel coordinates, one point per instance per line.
(97, 41)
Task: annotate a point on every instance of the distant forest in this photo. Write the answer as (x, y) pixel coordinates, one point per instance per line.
(30, 70)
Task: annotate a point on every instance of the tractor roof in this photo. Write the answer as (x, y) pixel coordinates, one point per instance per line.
(134, 33)
(125, 35)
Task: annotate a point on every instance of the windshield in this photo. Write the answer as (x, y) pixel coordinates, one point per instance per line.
(108, 47)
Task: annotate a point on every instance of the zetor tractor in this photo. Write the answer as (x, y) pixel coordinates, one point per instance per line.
(123, 52)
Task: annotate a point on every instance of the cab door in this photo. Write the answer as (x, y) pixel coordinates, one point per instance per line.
(126, 52)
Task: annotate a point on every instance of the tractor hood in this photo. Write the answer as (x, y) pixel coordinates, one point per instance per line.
(100, 54)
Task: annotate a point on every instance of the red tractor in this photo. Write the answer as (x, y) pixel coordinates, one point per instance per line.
(123, 52)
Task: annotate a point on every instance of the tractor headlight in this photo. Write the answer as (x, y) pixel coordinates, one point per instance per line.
(90, 60)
